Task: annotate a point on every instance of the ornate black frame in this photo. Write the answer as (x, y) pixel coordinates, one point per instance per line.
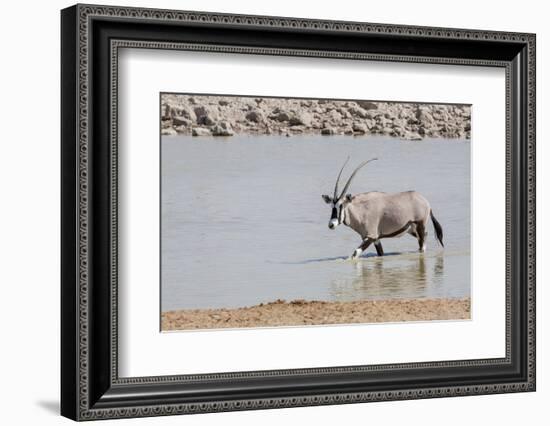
(91, 37)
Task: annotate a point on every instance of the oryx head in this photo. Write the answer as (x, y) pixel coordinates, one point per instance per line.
(340, 199)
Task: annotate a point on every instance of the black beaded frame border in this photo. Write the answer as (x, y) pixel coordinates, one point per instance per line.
(85, 13)
(116, 45)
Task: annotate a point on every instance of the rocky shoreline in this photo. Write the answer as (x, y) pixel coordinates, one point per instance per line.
(227, 116)
(303, 312)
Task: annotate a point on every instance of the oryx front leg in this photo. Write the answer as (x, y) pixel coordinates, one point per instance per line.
(379, 249)
(364, 245)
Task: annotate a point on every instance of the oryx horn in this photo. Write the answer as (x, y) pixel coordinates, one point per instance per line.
(348, 183)
(338, 179)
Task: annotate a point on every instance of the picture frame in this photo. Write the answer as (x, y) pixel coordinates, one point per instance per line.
(90, 384)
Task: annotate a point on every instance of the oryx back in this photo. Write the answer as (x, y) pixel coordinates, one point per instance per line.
(379, 215)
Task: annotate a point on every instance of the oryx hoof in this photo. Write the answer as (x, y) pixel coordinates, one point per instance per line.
(356, 254)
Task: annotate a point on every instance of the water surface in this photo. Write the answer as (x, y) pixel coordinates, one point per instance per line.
(243, 221)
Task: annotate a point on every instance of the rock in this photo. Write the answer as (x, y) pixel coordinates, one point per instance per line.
(182, 111)
(405, 114)
(201, 131)
(224, 116)
(166, 112)
(367, 105)
(301, 119)
(369, 123)
(399, 123)
(374, 113)
(433, 133)
(223, 128)
(358, 112)
(181, 129)
(424, 116)
(327, 131)
(168, 132)
(206, 115)
(316, 125)
(411, 136)
(348, 131)
(398, 132)
(360, 127)
(181, 121)
(280, 115)
(255, 116)
(383, 121)
(208, 121)
(335, 117)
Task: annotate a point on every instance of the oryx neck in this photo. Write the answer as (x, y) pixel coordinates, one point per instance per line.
(344, 217)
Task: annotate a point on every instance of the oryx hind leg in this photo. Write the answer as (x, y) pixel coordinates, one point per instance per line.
(421, 236)
(362, 247)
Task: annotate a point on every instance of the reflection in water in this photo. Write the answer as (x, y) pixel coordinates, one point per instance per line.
(376, 278)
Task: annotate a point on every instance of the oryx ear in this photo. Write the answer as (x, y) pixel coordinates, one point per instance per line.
(327, 199)
(348, 197)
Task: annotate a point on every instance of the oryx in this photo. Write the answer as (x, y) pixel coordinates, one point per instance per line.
(376, 215)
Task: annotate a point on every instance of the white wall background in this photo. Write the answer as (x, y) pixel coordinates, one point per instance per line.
(29, 225)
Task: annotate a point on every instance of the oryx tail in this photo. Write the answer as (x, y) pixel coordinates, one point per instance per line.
(438, 228)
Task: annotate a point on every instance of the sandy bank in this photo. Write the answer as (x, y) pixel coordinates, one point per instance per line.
(300, 312)
(226, 116)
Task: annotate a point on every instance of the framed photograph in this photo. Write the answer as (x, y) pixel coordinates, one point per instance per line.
(263, 212)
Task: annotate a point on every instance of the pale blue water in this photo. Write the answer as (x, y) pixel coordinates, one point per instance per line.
(243, 222)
